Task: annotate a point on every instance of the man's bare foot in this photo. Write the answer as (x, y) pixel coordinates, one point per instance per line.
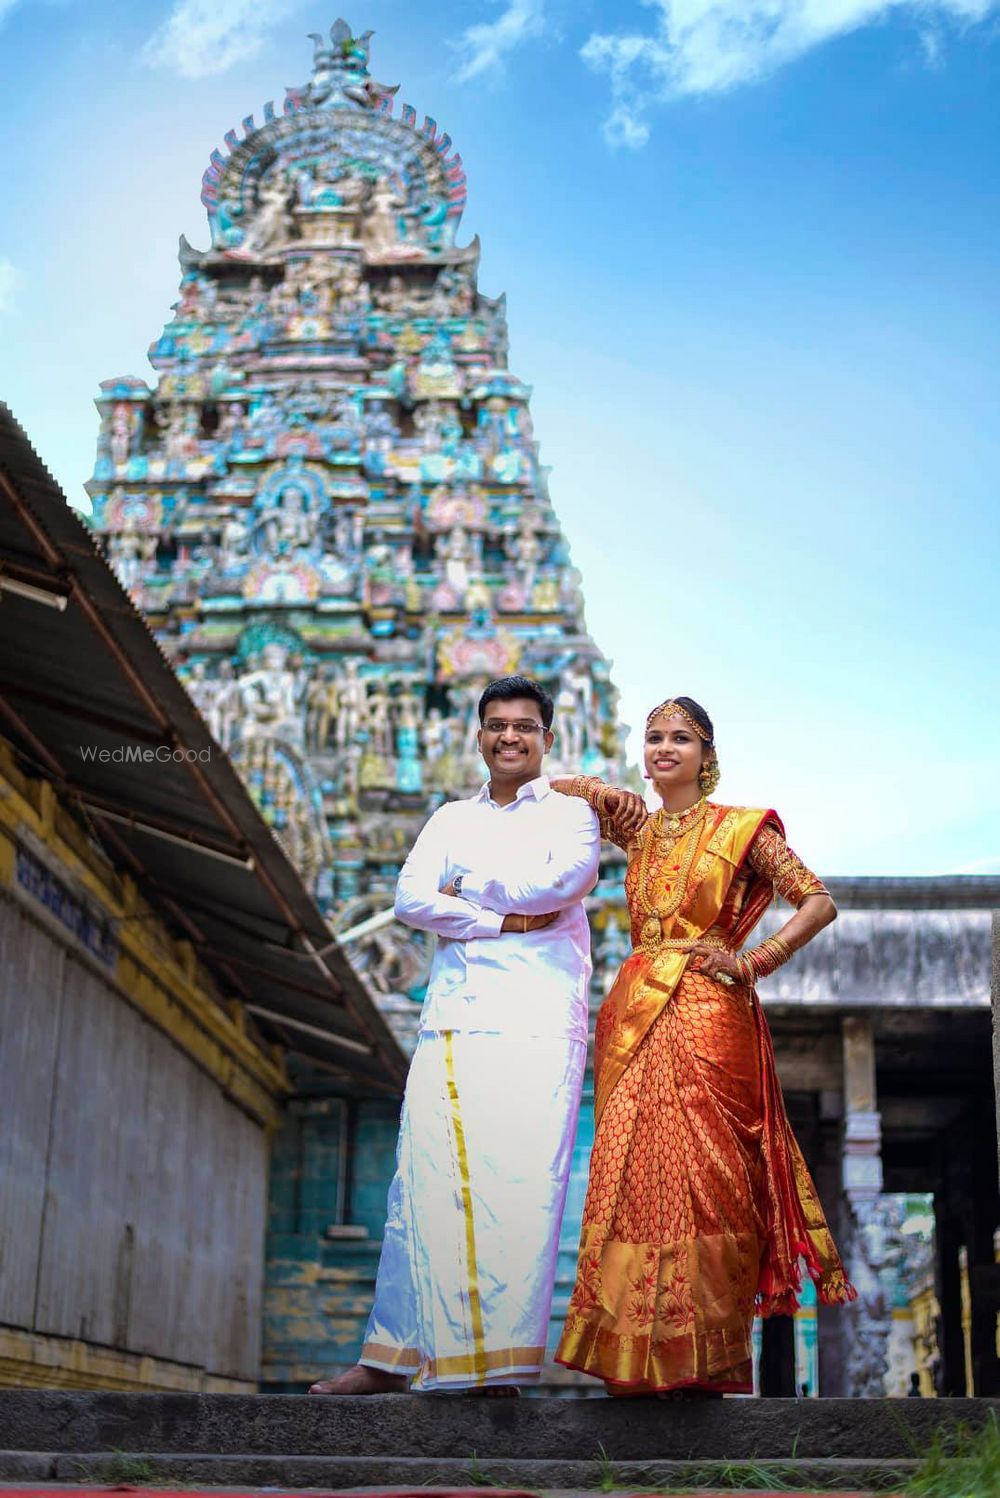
(362, 1380)
(495, 1391)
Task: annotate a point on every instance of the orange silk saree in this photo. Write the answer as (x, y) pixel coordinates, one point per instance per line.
(699, 1206)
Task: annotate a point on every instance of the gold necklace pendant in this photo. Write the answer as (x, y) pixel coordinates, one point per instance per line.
(651, 932)
(671, 821)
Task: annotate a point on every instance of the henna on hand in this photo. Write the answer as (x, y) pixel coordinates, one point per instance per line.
(712, 962)
(630, 812)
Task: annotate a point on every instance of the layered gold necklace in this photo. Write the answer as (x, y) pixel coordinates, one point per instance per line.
(666, 828)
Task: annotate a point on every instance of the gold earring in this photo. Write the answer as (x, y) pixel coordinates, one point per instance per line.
(709, 776)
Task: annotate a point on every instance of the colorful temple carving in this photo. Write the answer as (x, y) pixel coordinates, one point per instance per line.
(330, 503)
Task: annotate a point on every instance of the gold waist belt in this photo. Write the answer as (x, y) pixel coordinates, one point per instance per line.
(651, 939)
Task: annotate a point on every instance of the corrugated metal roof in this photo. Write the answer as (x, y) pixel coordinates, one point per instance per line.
(89, 677)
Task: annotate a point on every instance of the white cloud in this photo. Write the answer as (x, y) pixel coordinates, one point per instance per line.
(9, 279)
(202, 37)
(981, 866)
(484, 47)
(707, 46)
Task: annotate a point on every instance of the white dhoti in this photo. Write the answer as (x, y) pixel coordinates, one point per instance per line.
(465, 1280)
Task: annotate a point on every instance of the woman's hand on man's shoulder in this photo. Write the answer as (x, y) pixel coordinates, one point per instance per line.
(626, 809)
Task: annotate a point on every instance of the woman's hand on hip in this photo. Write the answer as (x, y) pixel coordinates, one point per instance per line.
(713, 963)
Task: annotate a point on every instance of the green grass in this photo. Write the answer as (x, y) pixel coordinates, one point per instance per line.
(121, 1469)
(478, 1478)
(964, 1463)
(746, 1476)
(606, 1468)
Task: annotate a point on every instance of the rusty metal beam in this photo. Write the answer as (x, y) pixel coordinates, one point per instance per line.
(321, 995)
(37, 747)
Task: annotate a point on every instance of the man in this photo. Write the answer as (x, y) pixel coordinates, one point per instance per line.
(468, 1262)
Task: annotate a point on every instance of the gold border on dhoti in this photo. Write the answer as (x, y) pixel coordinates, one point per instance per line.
(479, 1365)
(526, 1362)
(390, 1358)
(520, 1360)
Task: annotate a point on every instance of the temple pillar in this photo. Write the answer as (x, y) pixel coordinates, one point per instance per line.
(861, 1177)
(967, 1210)
(833, 1326)
(983, 1268)
(950, 1374)
(862, 1157)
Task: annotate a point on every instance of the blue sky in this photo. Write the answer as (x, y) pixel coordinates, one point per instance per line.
(749, 248)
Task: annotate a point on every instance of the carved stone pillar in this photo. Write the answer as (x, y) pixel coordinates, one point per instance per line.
(862, 1160)
(862, 1182)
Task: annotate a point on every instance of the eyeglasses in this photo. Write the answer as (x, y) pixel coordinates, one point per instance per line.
(522, 726)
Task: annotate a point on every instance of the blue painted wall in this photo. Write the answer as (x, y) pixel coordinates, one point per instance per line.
(331, 1165)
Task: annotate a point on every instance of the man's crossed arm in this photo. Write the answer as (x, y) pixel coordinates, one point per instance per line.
(523, 893)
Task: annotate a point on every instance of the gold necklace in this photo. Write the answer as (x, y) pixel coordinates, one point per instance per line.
(651, 933)
(669, 822)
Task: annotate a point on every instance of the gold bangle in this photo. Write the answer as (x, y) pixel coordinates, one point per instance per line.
(779, 951)
(524, 928)
(764, 960)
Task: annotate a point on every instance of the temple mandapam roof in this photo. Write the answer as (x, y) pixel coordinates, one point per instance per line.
(897, 943)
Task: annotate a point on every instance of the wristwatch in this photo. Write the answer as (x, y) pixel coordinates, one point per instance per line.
(456, 884)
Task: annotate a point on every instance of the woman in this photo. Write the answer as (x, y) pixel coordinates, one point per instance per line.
(699, 1204)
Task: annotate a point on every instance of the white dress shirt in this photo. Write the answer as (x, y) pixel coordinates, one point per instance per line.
(538, 854)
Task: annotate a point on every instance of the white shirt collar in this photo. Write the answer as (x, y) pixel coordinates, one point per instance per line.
(539, 788)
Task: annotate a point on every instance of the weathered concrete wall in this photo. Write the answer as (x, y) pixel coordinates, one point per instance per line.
(134, 1150)
(132, 1192)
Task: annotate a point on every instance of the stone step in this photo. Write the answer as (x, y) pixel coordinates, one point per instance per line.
(817, 1474)
(408, 1426)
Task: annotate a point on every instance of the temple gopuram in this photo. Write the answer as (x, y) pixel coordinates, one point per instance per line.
(330, 506)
